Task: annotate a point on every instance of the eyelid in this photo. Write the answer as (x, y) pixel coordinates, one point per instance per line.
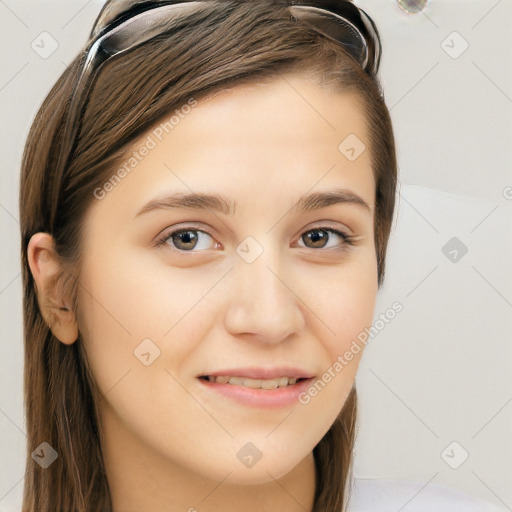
(331, 225)
(184, 226)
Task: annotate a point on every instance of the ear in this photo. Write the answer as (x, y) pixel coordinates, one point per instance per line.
(47, 271)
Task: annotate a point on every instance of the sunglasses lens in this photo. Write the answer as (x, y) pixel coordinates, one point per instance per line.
(335, 28)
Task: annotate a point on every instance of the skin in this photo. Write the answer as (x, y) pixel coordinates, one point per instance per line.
(169, 442)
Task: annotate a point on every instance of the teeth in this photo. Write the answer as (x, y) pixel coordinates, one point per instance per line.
(248, 383)
(279, 382)
(283, 381)
(270, 384)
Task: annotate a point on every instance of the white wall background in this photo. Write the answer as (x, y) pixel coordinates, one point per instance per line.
(440, 372)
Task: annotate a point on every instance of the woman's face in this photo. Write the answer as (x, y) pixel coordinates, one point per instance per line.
(262, 290)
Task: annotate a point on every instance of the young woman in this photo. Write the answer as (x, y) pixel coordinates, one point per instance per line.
(206, 199)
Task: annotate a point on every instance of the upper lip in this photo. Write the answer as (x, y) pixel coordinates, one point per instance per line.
(262, 373)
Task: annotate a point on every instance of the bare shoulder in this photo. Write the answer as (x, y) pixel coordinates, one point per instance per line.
(388, 495)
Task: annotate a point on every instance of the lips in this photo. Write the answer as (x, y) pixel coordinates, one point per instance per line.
(259, 378)
(276, 387)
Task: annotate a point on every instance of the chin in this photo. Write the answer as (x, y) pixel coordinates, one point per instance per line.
(278, 458)
(248, 465)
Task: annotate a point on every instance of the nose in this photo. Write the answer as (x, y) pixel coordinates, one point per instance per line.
(263, 305)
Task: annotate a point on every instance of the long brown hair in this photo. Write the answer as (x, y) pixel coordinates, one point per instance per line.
(219, 47)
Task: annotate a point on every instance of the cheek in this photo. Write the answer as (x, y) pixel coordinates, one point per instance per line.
(129, 307)
(344, 302)
(347, 303)
(133, 298)
(343, 308)
(137, 332)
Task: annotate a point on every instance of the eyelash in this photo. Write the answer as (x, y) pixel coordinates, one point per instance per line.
(348, 240)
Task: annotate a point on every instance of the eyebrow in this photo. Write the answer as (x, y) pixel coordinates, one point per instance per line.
(222, 204)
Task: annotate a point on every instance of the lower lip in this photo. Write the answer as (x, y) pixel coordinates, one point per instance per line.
(279, 397)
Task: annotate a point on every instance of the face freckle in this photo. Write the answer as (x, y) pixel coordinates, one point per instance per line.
(253, 299)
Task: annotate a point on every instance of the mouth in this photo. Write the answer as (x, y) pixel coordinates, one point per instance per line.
(258, 387)
(246, 382)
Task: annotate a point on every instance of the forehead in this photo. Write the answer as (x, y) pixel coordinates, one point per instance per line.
(287, 106)
(288, 117)
(256, 142)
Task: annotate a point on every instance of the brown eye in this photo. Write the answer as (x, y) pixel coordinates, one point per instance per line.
(188, 240)
(318, 238)
(184, 239)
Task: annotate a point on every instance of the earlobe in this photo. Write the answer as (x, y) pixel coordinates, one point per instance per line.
(46, 270)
